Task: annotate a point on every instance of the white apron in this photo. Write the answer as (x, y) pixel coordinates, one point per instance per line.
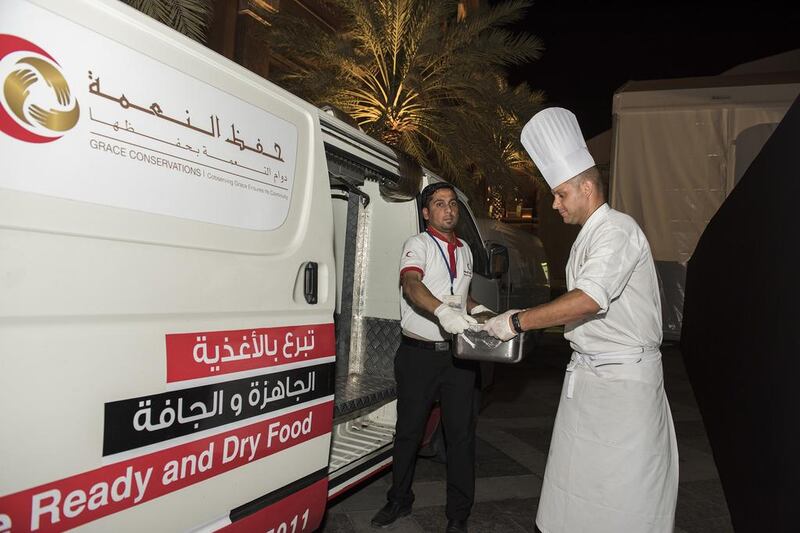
(613, 461)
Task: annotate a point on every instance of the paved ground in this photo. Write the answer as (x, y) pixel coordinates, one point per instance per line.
(513, 439)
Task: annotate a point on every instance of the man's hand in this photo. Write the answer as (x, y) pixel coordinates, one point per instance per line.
(453, 320)
(500, 326)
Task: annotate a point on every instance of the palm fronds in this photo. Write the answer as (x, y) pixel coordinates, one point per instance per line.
(415, 77)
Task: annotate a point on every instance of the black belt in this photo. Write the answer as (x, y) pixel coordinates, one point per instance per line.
(438, 346)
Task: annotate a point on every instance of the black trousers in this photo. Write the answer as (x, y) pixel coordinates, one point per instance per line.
(422, 376)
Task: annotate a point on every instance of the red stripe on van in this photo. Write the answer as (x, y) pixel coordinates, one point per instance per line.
(77, 500)
(298, 512)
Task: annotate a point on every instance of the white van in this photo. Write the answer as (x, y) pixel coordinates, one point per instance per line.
(199, 299)
(527, 282)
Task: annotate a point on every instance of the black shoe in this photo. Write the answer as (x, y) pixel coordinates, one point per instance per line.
(456, 526)
(390, 512)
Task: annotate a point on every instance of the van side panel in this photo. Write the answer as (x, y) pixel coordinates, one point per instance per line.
(161, 366)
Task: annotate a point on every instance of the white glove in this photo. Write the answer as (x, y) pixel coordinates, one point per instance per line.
(453, 320)
(480, 309)
(500, 326)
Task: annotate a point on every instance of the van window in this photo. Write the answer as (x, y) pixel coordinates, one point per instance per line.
(467, 230)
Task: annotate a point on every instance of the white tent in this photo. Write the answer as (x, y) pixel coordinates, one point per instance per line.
(679, 147)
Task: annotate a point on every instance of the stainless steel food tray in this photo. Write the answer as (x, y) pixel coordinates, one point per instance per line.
(480, 346)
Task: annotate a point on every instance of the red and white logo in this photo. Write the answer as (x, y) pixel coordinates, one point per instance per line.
(37, 104)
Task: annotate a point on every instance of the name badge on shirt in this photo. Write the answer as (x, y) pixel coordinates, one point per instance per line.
(453, 300)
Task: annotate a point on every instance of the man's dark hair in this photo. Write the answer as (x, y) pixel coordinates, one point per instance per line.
(427, 192)
(593, 174)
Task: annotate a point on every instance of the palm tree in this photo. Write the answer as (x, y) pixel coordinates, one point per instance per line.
(190, 17)
(417, 77)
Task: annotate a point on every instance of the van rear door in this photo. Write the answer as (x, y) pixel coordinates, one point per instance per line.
(166, 282)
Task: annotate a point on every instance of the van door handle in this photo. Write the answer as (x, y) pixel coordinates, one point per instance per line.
(310, 282)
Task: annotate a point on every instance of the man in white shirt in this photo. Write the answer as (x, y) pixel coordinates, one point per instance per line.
(613, 460)
(435, 274)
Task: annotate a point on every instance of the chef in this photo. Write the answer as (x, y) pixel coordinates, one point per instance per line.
(613, 460)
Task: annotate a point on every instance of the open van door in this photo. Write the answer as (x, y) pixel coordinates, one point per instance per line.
(166, 284)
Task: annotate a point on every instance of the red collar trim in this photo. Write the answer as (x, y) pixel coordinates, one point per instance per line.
(441, 237)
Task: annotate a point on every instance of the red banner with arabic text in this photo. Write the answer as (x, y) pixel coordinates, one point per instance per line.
(212, 353)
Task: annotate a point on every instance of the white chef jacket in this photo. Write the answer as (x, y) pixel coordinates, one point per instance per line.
(611, 254)
(422, 254)
(613, 460)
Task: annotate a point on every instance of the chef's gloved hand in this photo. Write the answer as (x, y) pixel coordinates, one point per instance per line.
(453, 320)
(477, 310)
(500, 326)
(480, 309)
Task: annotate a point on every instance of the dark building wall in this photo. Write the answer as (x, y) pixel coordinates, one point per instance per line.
(239, 29)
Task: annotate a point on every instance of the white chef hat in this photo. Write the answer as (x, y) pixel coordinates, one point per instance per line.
(554, 141)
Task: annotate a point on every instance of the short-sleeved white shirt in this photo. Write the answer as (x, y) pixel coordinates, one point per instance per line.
(422, 254)
(611, 262)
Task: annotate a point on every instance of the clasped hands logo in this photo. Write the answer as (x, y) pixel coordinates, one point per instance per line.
(37, 104)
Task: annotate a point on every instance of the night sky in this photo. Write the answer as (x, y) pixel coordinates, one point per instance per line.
(593, 48)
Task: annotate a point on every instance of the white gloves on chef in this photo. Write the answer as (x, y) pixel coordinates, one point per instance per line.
(500, 326)
(453, 320)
